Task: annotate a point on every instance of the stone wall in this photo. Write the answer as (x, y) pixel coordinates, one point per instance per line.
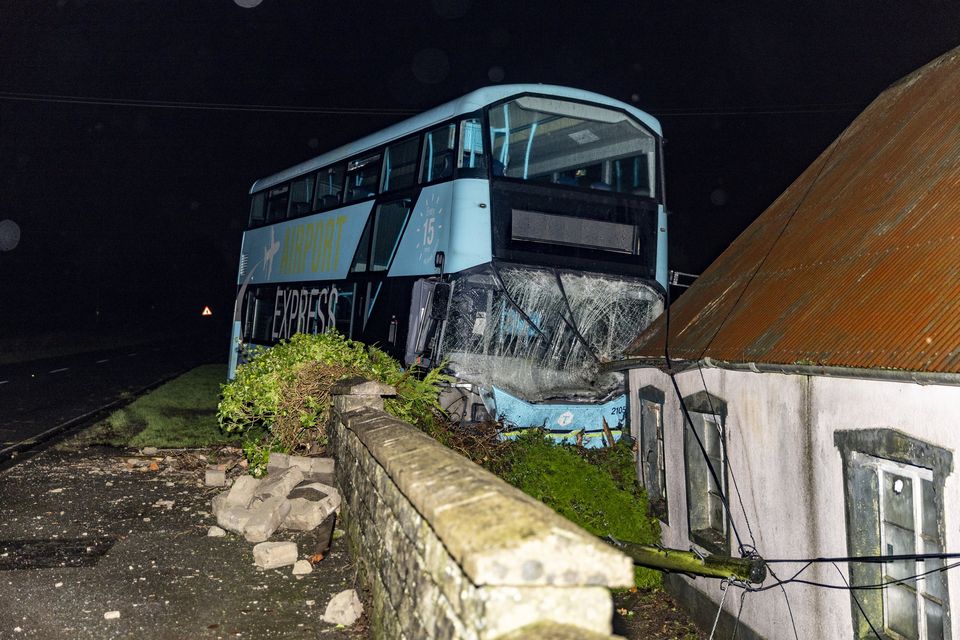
(449, 550)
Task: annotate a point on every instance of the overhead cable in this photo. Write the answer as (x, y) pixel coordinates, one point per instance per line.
(872, 559)
(863, 611)
(688, 421)
(877, 586)
(202, 106)
(678, 112)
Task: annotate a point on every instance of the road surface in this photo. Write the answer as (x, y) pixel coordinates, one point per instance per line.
(39, 397)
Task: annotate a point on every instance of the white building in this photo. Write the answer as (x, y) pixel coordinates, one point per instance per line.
(819, 362)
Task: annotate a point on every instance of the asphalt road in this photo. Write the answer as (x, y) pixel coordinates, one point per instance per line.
(40, 396)
(82, 534)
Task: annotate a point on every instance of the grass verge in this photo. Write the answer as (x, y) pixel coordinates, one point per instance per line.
(179, 414)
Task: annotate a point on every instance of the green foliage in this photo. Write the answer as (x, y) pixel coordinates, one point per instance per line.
(256, 393)
(286, 388)
(257, 454)
(597, 489)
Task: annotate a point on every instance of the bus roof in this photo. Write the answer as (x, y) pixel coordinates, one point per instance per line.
(465, 104)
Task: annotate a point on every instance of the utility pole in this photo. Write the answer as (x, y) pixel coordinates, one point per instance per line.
(752, 570)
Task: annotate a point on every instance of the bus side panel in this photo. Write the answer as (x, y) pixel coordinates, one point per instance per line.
(317, 247)
(470, 243)
(427, 232)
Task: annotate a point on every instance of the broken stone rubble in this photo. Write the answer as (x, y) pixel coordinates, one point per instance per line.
(257, 508)
(302, 568)
(272, 555)
(279, 484)
(265, 517)
(215, 477)
(344, 608)
(310, 504)
(313, 469)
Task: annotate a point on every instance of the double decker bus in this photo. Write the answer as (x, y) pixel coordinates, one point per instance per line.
(516, 234)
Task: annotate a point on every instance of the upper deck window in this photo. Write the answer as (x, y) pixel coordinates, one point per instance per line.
(363, 176)
(301, 196)
(329, 187)
(258, 213)
(400, 164)
(277, 203)
(572, 144)
(472, 162)
(437, 162)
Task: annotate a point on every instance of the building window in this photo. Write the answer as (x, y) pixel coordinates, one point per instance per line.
(894, 503)
(653, 469)
(706, 514)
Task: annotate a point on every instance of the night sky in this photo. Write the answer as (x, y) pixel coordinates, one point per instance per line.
(136, 207)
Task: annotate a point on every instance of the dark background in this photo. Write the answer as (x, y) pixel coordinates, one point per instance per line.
(131, 213)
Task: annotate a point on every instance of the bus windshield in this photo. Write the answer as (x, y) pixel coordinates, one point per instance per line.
(573, 144)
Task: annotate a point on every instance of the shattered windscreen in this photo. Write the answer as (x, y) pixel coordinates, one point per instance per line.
(541, 333)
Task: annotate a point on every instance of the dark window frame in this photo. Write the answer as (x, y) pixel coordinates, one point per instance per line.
(706, 403)
(861, 489)
(651, 453)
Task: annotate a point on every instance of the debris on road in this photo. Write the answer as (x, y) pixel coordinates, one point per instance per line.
(97, 534)
(271, 555)
(344, 608)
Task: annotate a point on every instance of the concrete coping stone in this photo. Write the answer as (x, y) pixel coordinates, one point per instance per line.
(358, 386)
(499, 535)
(555, 631)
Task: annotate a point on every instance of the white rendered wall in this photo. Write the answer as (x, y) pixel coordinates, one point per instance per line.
(779, 438)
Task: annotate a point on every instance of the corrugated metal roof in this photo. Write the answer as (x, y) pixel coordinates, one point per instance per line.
(857, 263)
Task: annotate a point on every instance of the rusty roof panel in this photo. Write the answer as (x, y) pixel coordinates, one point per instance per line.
(857, 263)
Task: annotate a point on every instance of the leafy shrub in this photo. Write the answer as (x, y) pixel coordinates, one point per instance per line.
(287, 388)
(600, 494)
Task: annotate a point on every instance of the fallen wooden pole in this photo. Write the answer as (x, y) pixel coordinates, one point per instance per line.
(752, 570)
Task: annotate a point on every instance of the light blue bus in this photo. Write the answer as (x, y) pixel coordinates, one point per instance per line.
(517, 234)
